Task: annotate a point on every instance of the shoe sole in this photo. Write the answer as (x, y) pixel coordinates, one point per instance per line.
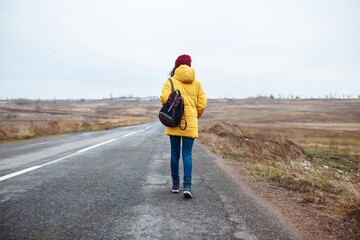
(187, 194)
(175, 191)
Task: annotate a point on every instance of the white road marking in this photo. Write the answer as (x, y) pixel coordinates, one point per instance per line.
(73, 154)
(97, 145)
(19, 173)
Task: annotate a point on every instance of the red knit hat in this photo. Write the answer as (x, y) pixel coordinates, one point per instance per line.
(183, 59)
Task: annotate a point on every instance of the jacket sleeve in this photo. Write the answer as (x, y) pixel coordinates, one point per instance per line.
(166, 90)
(201, 101)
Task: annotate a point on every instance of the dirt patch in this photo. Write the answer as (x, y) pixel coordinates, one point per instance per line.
(256, 146)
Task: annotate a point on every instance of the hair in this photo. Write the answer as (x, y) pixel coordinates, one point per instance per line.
(172, 72)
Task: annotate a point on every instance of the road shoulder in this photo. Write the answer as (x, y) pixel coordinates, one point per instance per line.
(306, 220)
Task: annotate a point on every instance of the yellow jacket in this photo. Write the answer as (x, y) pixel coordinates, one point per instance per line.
(194, 100)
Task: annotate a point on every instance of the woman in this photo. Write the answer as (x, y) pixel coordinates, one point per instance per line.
(183, 78)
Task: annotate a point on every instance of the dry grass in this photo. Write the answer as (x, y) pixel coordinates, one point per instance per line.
(54, 127)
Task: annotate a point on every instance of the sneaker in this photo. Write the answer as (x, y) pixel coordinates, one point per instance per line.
(187, 190)
(175, 187)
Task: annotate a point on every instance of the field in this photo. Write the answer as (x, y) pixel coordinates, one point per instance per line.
(308, 146)
(22, 119)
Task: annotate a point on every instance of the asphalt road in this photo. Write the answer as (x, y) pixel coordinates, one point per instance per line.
(116, 184)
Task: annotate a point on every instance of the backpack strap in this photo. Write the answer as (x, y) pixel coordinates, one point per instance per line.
(172, 85)
(185, 123)
(173, 89)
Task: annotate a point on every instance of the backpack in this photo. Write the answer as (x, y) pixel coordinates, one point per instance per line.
(172, 111)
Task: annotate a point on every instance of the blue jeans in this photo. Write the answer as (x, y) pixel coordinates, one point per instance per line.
(187, 145)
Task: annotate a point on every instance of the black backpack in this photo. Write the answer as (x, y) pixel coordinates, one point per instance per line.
(172, 111)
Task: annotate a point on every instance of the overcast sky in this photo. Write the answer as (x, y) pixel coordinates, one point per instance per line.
(89, 49)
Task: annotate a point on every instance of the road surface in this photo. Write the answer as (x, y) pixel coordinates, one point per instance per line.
(116, 184)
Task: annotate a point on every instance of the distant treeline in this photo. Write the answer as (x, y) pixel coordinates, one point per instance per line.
(132, 98)
(84, 99)
(291, 96)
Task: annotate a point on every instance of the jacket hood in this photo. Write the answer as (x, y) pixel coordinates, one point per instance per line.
(185, 74)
